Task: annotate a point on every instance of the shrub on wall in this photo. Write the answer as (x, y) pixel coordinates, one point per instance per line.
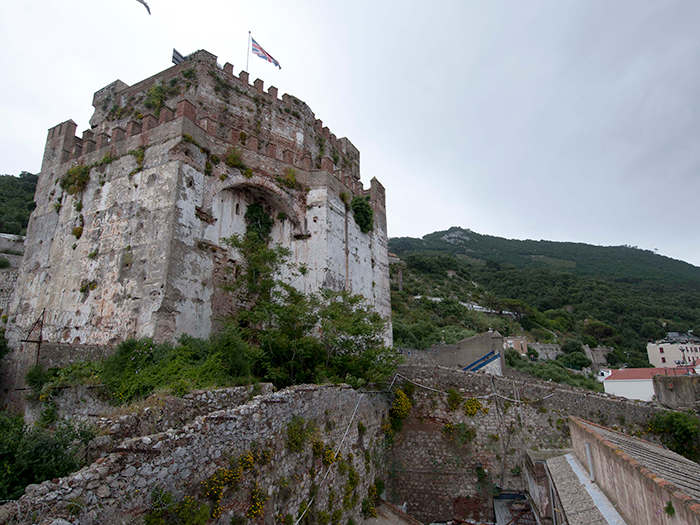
(32, 455)
(364, 215)
(76, 179)
(138, 367)
(234, 159)
(680, 432)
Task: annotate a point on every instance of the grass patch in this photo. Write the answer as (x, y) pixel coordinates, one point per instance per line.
(139, 367)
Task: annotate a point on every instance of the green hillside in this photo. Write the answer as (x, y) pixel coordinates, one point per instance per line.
(616, 296)
(624, 263)
(16, 202)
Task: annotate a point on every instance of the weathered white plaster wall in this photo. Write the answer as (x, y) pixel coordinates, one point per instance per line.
(642, 389)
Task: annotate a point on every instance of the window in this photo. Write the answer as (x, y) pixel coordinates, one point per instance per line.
(663, 359)
(661, 350)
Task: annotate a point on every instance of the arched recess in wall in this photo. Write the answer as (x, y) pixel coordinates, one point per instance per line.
(227, 201)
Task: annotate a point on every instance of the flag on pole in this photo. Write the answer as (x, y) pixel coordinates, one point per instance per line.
(177, 57)
(259, 51)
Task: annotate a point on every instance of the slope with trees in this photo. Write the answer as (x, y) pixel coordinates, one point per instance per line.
(624, 263)
(546, 302)
(16, 202)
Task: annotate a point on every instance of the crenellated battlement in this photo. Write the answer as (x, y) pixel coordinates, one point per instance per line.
(194, 78)
(318, 150)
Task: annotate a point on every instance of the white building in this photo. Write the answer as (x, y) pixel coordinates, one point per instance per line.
(675, 350)
(636, 383)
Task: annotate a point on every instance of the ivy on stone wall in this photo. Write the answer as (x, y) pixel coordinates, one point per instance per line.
(364, 215)
(76, 179)
(258, 223)
(157, 94)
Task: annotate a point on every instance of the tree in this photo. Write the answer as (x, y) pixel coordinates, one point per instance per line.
(518, 307)
(571, 345)
(680, 432)
(36, 454)
(599, 330)
(575, 360)
(262, 263)
(491, 302)
(298, 337)
(16, 201)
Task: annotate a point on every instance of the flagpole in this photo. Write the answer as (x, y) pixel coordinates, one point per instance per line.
(247, 57)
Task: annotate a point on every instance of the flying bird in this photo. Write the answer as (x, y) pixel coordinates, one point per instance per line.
(145, 5)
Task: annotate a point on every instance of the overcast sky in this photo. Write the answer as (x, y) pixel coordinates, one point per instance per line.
(558, 120)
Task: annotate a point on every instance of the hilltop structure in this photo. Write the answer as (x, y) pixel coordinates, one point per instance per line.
(126, 239)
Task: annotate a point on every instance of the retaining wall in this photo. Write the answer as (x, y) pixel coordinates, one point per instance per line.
(677, 391)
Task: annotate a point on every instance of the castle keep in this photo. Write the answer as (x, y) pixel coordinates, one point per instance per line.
(126, 238)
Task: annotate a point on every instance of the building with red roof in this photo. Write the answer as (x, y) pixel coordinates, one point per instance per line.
(636, 383)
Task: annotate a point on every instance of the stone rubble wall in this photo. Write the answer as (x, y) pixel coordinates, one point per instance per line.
(157, 413)
(438, 476)
(677, 392)
(11, 243)
(11, 248)
(119, 488)
(8, 278)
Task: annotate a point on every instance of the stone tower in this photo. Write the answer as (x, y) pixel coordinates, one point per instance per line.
(126, 237)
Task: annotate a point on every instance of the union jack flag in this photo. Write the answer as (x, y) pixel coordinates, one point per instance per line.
(259, 51)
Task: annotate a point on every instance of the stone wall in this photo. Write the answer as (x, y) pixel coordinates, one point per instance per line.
(157, 413)
(119, 488)
(461, 354)
(677, 391)
(445, 462)
(11, 244)
(11, 248)
(8, 278)
(49, 355)
(545, 351)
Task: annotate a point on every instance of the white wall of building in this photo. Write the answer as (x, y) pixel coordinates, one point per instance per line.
(665, 355)
(642, 389)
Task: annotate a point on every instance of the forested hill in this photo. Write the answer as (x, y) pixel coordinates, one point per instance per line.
(616, 296)
(16, 202)
(623, 263)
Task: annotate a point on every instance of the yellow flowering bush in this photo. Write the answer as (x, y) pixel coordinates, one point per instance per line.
(213, 488)
(472, 407)
(399, 409)
(247, 460)
(258, 498)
